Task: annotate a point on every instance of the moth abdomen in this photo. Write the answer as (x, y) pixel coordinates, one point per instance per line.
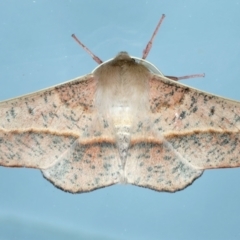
(123, 137)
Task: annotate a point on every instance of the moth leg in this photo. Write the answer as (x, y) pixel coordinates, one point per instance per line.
(186, 77)
(149, 45)
(95, 58)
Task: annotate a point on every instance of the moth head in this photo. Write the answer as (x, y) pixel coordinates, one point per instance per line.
(121, 56)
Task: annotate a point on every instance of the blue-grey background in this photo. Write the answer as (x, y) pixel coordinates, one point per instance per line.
(37, 51)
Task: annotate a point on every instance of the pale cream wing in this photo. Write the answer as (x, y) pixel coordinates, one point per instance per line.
(192, 131)
(55, 130)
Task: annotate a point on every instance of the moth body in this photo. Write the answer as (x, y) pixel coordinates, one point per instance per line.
(122, 98)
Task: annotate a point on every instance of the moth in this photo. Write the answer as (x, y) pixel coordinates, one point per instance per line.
(123, 123)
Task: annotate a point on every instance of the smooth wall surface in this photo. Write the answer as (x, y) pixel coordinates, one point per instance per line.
(37, 51)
